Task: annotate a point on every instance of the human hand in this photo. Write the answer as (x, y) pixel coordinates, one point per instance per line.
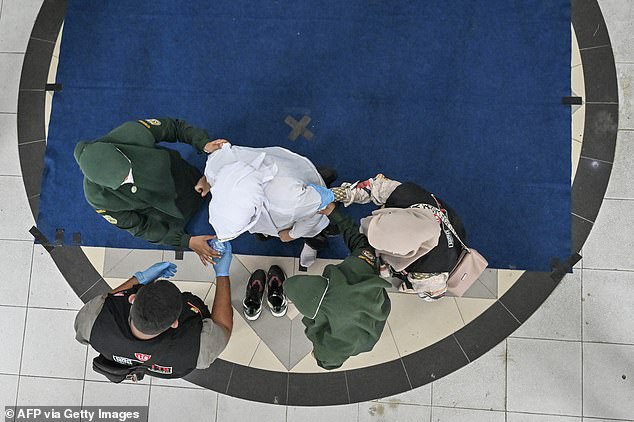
(329, 208)
(158, 270)
(221, 267)
(202, 187)
(285, 235)
(214, 145)
(205, 252)
(327, 196)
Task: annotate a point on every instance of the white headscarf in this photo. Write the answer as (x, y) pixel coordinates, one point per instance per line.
(238, 197)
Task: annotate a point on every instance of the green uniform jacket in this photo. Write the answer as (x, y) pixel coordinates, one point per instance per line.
(356, 307)
(156, 217)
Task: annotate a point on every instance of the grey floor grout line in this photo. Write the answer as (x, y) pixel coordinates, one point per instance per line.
(595, 47)
(254, 352)
(506, 378)
(581, 336)
(459, 312)
(596, 159)
(583, 218)
(26, 316)
(608, 269)
(460, 345)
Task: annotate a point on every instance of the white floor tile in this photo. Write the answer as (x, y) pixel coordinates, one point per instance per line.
(48, 108)
(559, 317)
(58, 42)
(389, 412)
(620, 185)
(420, 396)
(11, 333)
(10, 69)
(608, 298)
(110, 394)
(242, 343)
(36, 391)
(8, 390)
(323, 414)
(619, 17)
(576, 82)
(544, 376)
(190, 268)
(193, 405)
(50, 348)
(264, 358)
(578, 121)
(625, 76)
(16, 23)
(575, 59)
(123, 263)
(443, 414)
(49, 288)
(15, 213)
(611, 240)
(471, 308)
(9, 158)
(528, 417)
(608, 374)
(576, 156)
(231, 409)
(96, 256)
(441, 319)
(14, 289)
(506, 280)
(479, 385)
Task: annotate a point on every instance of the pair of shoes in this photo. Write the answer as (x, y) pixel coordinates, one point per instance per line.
(276, 299)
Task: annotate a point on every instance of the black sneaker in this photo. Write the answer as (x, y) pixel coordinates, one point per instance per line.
(275, 295)
(252, 303)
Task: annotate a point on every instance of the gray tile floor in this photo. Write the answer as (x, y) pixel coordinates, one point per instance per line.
(572, 361)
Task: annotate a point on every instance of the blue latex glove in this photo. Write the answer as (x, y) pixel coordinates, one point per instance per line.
(158, 270)
(221, 267)
(327, 196)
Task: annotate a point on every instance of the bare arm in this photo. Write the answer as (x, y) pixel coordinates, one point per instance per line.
(221, 310)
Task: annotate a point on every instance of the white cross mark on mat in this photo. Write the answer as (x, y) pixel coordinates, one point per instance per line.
(299, 128)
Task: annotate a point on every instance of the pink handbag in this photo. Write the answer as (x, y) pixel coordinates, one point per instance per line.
(470, 264)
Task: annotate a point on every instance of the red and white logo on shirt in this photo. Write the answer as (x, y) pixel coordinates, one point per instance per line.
(142, 357)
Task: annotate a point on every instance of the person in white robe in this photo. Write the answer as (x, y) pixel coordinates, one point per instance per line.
(265, 191)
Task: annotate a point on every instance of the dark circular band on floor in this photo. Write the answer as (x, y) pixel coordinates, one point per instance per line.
(416, 369)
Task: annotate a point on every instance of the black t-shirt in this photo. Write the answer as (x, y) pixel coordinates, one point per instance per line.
(442, 258)
(172, 354)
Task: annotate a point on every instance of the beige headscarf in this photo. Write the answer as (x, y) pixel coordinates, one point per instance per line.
(401, 235)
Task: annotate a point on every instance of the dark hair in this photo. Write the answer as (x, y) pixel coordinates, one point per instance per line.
(156, 306)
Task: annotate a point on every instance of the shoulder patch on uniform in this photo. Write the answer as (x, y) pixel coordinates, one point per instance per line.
(110, 219)
(368, 257)
(144, 123)
(153, 122)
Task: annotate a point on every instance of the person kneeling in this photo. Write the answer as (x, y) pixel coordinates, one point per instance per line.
(147, 326)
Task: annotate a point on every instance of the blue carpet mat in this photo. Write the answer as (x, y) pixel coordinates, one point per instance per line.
(462, 97)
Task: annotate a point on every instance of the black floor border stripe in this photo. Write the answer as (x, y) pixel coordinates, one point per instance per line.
(425, 365)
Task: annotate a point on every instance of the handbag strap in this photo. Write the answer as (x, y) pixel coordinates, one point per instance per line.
(443, 217)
